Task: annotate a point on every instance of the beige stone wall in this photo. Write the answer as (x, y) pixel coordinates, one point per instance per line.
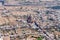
(6, 38)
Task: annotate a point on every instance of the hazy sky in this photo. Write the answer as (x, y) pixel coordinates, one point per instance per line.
(1, 0)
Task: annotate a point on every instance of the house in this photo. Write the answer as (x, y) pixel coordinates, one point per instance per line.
(1, 38)
(6, 38)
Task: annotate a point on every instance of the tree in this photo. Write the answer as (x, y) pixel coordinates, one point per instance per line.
(39, 38)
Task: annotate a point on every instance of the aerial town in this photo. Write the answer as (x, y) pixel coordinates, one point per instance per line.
(29, 19)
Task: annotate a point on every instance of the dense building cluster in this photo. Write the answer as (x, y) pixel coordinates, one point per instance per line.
(29, 20)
